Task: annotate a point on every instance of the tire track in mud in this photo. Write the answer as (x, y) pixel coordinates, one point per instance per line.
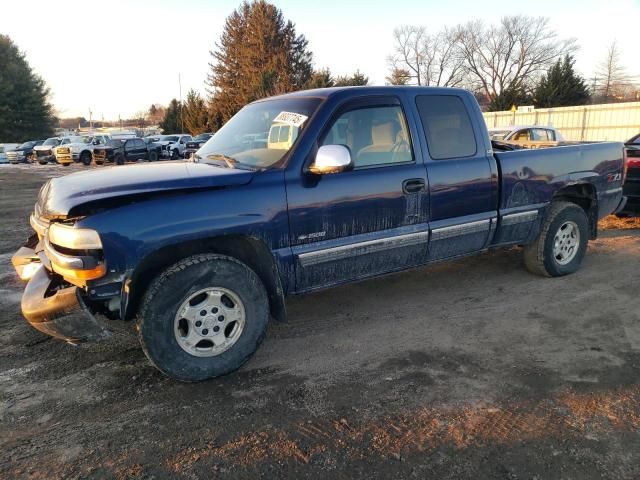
(568, 415)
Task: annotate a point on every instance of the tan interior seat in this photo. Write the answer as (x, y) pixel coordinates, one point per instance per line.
(382, 143)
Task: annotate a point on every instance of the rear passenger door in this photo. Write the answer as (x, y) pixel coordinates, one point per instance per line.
(463, 177)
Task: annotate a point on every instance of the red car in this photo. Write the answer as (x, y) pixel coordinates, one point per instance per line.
(631, 187)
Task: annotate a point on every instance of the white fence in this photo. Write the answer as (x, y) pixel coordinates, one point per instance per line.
(614, 121)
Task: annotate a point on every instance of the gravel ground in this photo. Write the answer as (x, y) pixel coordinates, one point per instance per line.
(469, 369)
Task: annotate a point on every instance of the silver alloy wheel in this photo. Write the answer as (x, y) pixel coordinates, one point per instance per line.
(566, 243)
(209, 322)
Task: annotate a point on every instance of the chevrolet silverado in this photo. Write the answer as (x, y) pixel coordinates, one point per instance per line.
(296, 193)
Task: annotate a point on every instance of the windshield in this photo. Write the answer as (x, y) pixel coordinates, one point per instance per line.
(498, 134)
(260, 134)
(169, 138)
(51, 141)
(26, 145)
(202, 137)
(114, 143)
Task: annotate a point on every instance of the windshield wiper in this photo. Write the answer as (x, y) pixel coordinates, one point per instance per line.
(230, 162)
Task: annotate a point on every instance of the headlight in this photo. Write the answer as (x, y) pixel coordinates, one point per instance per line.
(74, 238)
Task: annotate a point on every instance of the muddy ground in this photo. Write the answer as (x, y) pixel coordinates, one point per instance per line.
(470, 369)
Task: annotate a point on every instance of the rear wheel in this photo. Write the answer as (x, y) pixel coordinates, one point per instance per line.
(203, 317)
(119, 160)
(175, 154)
(85, 158)
(152, 156)
(562, 243)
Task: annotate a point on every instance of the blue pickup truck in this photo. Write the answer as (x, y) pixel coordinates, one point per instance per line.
(296, 193)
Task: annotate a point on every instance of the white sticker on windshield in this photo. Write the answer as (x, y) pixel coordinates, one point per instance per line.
(294, 119)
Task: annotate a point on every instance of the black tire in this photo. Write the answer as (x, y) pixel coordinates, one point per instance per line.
(85, 158)
(539, 256)
(175, 154)
(152, 156)
(174, 286)
(65, 164)
(42, 163)
(119, 160)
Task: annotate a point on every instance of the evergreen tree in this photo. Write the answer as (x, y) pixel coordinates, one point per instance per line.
(25, 111)
(171, 123)
(561, 86)
(357, 79)
(399, 76)
(259, 54)
(508, 97)
(321, 79)
(195, 113)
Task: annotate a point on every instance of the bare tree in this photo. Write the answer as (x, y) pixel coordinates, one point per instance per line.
(612, 79)
(509, 56)
(428, 59)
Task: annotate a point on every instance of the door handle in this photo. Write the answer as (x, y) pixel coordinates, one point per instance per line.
(413, 185)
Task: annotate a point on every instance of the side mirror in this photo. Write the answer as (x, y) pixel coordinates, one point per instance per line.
(331, 159)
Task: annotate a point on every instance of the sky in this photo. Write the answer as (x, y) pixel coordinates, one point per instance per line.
(117, 57)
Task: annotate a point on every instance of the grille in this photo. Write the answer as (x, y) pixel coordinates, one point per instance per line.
(63, 150)
(43, 153)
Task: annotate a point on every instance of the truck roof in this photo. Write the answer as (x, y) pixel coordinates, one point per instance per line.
(367, 90)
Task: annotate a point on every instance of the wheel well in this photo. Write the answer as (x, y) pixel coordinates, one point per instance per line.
(249, 250)
(583, 195)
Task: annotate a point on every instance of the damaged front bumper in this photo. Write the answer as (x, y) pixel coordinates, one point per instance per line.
(52, 305)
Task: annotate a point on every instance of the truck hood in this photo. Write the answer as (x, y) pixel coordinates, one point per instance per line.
(59, 196)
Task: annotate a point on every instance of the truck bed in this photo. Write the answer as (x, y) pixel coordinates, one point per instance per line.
(530, 177)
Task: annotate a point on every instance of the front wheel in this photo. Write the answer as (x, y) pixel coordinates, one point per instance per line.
(152, 156)
(562, 243)
(120, 160)
(203, 317)
(175, 154)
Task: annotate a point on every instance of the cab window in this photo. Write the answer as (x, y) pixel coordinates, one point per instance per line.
(447, 127)
(375, 136)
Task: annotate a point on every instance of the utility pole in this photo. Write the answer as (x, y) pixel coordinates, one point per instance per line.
(90, 122)
(181, 116)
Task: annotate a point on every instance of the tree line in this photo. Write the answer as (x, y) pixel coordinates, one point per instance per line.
(520, 60)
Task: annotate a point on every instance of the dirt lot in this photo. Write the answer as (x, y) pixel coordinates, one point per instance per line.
(470, 369)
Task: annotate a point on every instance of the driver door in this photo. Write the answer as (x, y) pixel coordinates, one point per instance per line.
(367, 221)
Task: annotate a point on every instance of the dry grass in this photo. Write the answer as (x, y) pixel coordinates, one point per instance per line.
(614, 223)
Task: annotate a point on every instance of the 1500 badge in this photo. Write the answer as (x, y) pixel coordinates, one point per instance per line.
(312, 236)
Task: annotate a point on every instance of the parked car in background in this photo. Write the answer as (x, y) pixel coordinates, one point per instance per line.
(43, 153)
(378, 180)
(528, 136)
(631, 187)
(5, 148)
(79, 149)
(121, 151)
(194, 144)
(173, 146)
(24, 152)
(154, 148)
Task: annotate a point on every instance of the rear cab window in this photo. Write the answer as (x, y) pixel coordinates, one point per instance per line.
(447, 127)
